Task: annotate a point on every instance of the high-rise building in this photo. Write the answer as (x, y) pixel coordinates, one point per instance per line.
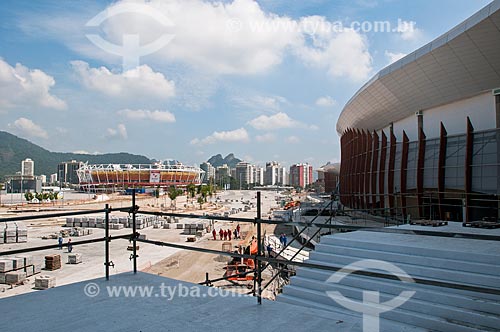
(53, 178)
(244, 174)
(43, 178)
(222, 174)
(301, 175)
(258, 175)
(272, 173)
(66, 172)
(27, 167)
(283, 176)
(209, 172)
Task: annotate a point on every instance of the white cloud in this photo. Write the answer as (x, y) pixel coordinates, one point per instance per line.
(408, 30)
(158, 116)
(265, 138)
(261, 103)
(277, 121)
(139, 82)
(237, 135)
(325, 101)
(28, 128)
(341, 54)
(24, 87)
(393, 57)
(221, 37)
(292, 139)
(120, 132)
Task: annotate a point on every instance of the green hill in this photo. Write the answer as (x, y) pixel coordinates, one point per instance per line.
(14, 149)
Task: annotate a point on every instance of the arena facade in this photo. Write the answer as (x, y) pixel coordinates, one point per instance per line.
(156, 175)
(421, 139)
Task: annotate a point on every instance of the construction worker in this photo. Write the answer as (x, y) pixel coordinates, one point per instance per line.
(221, 234)
(238, 230)
(214, 233)
(60, 241)
(269, 250)
(70, 246)
(225, 235)
(229, 233)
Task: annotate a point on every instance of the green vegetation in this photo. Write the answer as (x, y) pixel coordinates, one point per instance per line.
(14, 149)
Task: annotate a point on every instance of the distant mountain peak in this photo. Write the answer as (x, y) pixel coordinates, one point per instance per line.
(230, 160)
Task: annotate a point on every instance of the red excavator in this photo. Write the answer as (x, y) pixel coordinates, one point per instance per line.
(242, 265)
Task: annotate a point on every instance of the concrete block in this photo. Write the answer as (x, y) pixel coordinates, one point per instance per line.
(166, 226)
(85, 224)
(2, 236)
(27, 259)
(45, 282)
(17, 262)
(37, 268)
(2, 278)
(15, 277)
(116, 226)
(6, 265)
(142, 237)
(22, 239)
(69, 222)
(30, 270)
(92, 224)
(180, 226)
(10, 239)
(74, 258)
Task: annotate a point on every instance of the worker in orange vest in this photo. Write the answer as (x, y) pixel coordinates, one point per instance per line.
(229, 234)
(214, 233)
(225, 235)
(221, 234)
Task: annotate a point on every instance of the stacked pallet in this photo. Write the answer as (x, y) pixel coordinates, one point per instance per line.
(74, 258)
(45, 282)
(14, 270)
(194, 229)
(13, 232)
(115, 222)
(52, 262)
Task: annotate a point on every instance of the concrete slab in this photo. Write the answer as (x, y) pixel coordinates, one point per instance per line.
(156, 313)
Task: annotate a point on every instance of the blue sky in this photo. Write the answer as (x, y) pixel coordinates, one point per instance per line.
(265, 80)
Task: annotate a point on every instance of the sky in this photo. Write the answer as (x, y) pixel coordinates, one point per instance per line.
(187, 79)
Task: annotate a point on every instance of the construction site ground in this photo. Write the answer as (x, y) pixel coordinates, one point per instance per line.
(179, 264)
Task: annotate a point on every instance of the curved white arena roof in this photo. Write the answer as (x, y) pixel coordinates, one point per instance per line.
(461, 63)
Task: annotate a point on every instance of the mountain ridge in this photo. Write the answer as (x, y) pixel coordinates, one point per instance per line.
(14, 149)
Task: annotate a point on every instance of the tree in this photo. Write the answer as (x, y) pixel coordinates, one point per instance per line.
(173, 193)
(201, 200)
(191, 189)
(28, 196)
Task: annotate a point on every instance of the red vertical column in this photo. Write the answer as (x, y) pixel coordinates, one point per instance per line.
(441, 169)
(390, 175)
(362, 172)
(404, 172)
(420, 172)
(468, 168)
(374, 170)
(367, 175)
(381, 174)
(350, 170)
(355, 169)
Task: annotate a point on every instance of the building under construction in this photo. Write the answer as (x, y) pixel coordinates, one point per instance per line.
(103, 177)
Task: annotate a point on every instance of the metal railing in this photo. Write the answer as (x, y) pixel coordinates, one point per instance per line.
(259, 257)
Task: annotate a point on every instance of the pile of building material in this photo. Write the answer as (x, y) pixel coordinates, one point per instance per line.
(115, 222)
(74, 258)
(45, 282)
(195, 229)
(14, 270)
(13, 232)
(53, 262)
